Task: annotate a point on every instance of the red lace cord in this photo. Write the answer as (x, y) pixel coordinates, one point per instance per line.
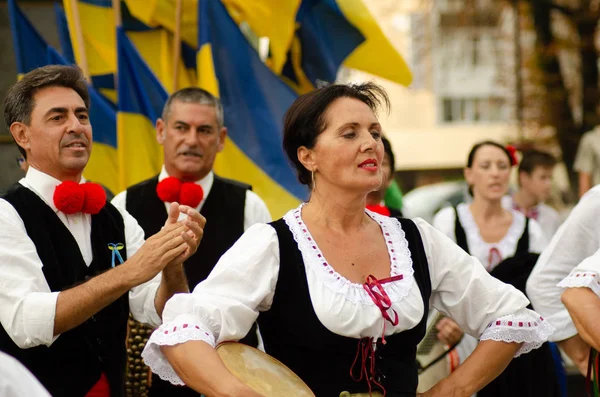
(494, 257)
(365, 348)
(381, 298)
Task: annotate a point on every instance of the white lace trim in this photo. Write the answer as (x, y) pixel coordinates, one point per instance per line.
(525, 326)
(506, 246)
(395, 239)
(582, 279)
(170, 334)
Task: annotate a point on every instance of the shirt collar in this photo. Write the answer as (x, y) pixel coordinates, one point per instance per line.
(206, 182)
(43, 185)
(533, 212)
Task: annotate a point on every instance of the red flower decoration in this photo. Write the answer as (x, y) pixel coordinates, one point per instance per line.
(95, 198)
(380, 209)
(69, 197)
(168, 189)
(513, 154)
(172, 190)
(191, 194)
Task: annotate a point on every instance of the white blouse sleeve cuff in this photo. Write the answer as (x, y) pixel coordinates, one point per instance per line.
(524, 326)
(582, 279)
(183, 329)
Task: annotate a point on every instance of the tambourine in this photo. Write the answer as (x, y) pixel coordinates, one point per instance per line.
(261, 372)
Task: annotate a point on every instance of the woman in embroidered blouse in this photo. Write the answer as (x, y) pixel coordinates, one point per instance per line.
(492, 234)
(332, 281)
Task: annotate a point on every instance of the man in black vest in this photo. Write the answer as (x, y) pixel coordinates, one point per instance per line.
(192, 132)
(72, 265)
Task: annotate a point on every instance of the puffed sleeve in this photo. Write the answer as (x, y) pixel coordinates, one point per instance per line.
(483, 306)
(577, 239)
(585, 275)
(225, 305)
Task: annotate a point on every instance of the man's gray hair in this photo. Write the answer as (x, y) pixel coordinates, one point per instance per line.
(198, 96)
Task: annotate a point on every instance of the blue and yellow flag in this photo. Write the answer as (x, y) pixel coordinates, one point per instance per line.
(97, 23)
(272, 19)
(336, 32)
(161, 13)
(156, 48)
(102, 166)
(254, 101)
(155, 45)
(63, 34)
(141, 99)
(30, 48)
(376, 55)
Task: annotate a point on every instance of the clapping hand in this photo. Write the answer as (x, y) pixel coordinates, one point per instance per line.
(194, 223)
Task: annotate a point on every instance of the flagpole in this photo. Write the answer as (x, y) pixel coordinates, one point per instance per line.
(177, 44)
(116, 5)
(117, 9)
(118, 22)
(83, 64)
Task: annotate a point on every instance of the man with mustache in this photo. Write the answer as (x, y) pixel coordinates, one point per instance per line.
(192, 132)
(72, 266)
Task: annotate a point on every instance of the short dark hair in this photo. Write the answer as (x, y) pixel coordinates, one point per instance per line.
(305, 119)
(387, 148)
(536, 158)
(479, 145)
(19, 103)
(194, 95)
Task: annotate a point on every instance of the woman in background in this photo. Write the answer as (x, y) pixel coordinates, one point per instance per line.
(507, 244)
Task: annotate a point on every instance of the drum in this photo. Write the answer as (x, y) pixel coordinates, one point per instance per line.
(261, 372)
(428, 350)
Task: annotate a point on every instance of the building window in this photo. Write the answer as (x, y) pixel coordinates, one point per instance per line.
(475, 56)
(447, 103)
(473, 110)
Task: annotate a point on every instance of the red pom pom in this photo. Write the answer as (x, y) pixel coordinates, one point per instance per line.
(69, 197)
(513, 154)
(191, 194)
(168, 189)
(380, 209)
(95, 198)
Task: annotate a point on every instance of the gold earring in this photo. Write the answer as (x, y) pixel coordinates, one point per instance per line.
(312, 177)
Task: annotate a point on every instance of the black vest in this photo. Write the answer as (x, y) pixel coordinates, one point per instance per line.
(223, 210)
(293, 334)
(74, 362)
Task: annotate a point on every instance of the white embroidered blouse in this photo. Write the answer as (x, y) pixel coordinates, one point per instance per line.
(445, 219)
(228, 302)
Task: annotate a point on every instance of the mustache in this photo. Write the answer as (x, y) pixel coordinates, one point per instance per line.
(188, 151)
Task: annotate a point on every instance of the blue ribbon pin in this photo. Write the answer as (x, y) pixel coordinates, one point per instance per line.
(115, 248)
